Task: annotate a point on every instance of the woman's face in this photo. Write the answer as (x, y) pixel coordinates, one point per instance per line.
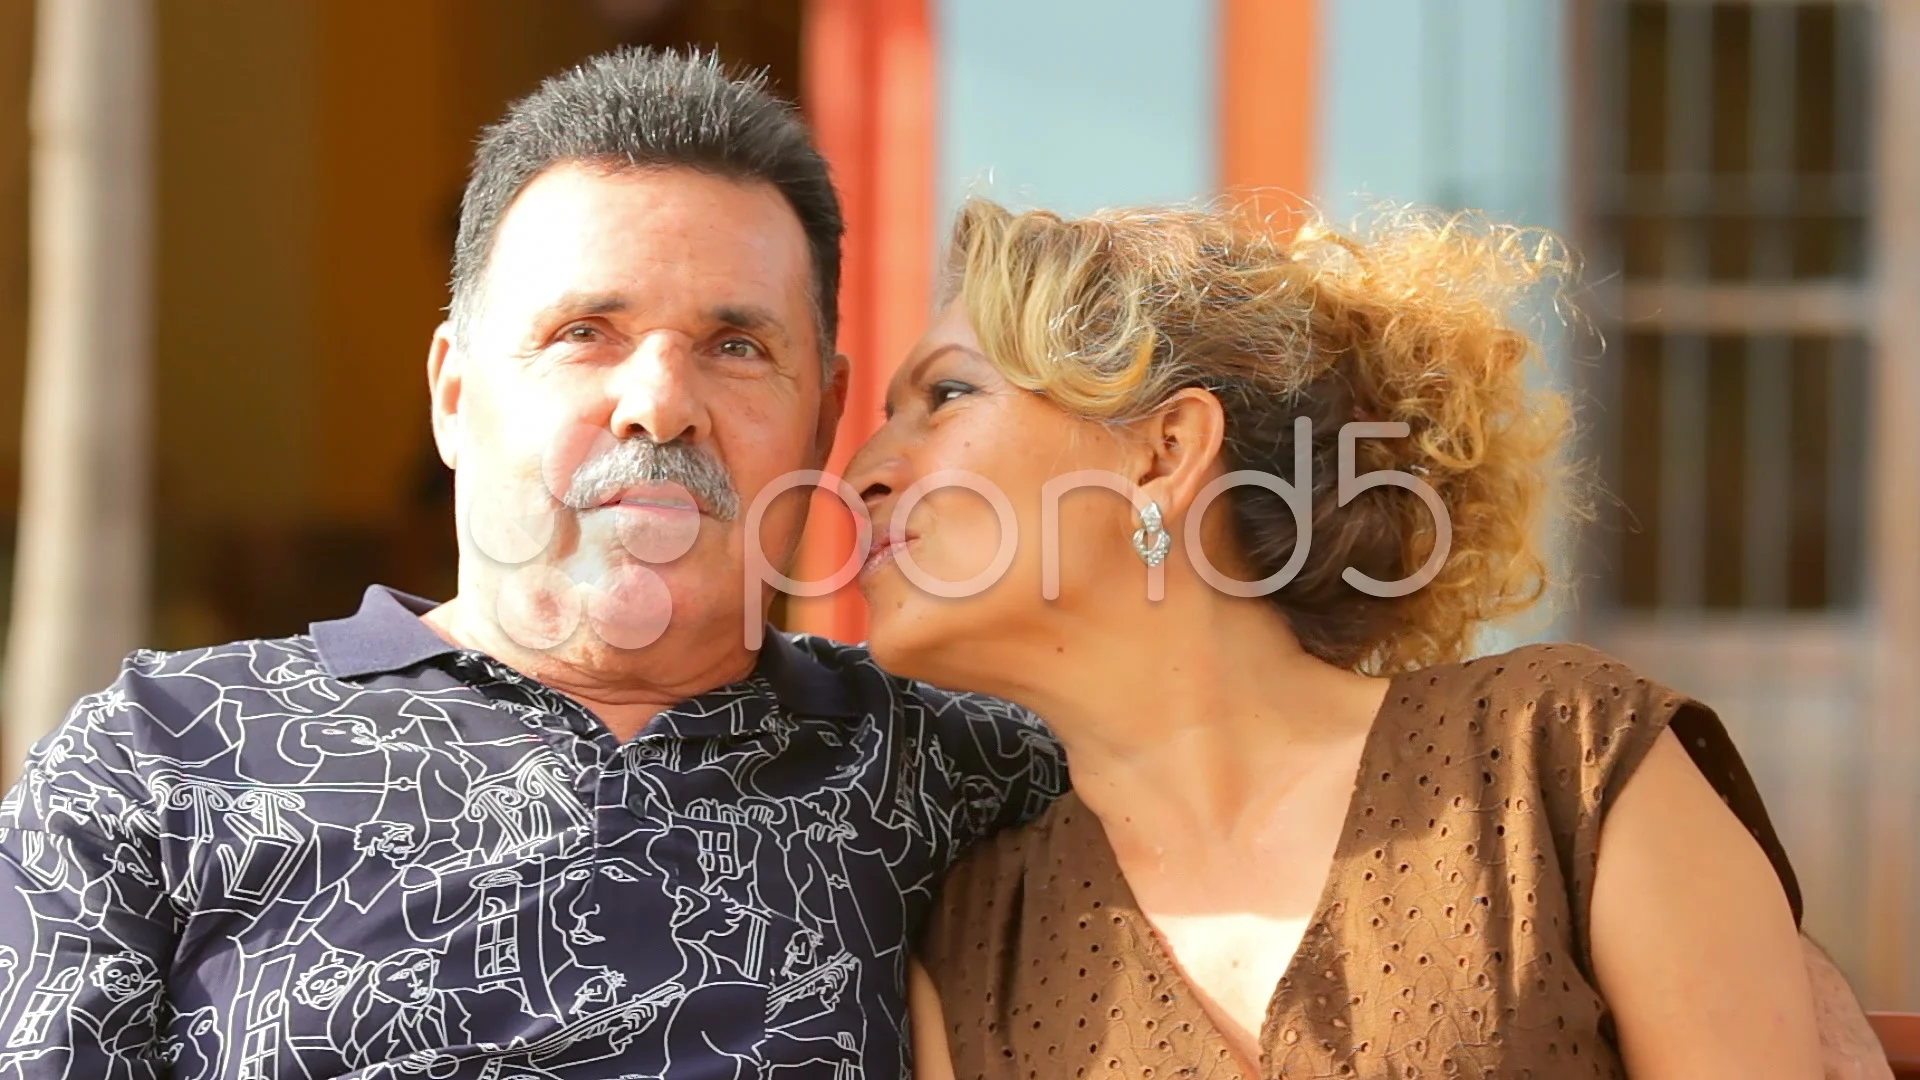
(949, 411)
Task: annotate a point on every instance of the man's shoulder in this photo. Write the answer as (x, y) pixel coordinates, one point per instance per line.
(163, 708)
(253, 661)
(170, 688)
(1000, 763)
(855, 665)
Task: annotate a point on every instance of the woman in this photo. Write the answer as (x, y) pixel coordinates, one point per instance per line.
(1303, 838)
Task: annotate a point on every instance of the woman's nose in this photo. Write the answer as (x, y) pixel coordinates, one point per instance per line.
(877, 470)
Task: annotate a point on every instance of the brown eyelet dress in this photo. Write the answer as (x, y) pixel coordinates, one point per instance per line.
(1452, 937)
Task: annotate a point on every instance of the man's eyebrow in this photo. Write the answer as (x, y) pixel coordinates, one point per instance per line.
(576, 304)
(749, 317)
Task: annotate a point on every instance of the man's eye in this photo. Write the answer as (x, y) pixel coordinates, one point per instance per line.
(739, 348)
(581, 333)
(947, 390)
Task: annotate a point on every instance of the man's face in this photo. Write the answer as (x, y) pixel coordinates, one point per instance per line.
(407, 977)
(339, 735)
(620, 312)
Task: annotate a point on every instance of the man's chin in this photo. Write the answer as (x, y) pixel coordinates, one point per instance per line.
(611, 600)
(631, 607)
(634, 605)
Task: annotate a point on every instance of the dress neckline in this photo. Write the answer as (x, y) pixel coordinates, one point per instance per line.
(1153, 948)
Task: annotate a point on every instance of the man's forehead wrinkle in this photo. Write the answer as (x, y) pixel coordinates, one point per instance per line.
(669, 219)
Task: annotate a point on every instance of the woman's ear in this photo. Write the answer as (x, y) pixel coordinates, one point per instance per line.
(1181, 445)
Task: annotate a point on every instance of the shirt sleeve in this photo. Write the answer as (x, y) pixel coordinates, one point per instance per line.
(85, 922)
(1008, 767)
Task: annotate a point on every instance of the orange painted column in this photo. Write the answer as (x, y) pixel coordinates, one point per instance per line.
(1269, 85)
(869, 96)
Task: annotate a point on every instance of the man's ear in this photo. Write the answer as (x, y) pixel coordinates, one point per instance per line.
(445, 380)
(833, 403)
(1181, 445)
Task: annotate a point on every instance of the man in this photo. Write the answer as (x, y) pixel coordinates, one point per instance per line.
(570, 823)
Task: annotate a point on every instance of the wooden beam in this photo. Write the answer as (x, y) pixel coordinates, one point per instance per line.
(16, 72)
(1269, 76)
(80, 574)
(1894, 519)
(1745, 310)
(869, 96)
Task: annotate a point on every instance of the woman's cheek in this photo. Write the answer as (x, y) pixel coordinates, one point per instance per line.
(987, 533)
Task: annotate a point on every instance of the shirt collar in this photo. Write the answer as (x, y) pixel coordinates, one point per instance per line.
(387, 635)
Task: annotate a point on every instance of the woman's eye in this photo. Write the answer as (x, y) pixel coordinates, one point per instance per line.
(947, 390)
(739, 348)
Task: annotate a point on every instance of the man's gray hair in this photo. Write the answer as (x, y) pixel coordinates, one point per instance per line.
(650, 109)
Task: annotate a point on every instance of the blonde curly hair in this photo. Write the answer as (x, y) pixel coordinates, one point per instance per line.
(1415, 321)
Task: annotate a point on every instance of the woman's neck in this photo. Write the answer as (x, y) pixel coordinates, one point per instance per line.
(1195, 713)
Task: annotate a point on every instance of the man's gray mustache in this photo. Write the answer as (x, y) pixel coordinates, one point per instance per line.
(640, 460)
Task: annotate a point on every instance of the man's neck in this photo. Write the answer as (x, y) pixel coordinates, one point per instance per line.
(624, 688)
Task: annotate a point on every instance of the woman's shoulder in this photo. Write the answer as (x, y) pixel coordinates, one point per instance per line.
(1559, 671)
(1563, 725)
(986, 890)
(1039, 854)
(1015, 892)
(1555, 698)
(1571, 725)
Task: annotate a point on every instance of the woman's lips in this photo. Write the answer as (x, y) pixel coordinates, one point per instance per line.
(880, 553)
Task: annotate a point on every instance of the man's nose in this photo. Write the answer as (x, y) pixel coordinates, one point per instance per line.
(656, 391)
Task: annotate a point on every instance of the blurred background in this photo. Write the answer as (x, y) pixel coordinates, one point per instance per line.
(225, 228)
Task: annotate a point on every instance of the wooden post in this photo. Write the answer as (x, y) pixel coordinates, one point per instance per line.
(869, 97)
(80, 575)
(1269, 91)
(1894, 508)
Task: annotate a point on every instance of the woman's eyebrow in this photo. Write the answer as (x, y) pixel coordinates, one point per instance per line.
(912, 373)
(920, 365)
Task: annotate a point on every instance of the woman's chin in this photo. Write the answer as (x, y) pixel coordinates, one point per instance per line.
(891, 641)
(908, 643)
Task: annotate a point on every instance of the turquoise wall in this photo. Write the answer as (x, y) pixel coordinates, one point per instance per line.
(1456, 103)
(1459, 104)
(1075, 104)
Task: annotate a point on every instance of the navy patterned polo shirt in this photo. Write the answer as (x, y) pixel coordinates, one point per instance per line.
(362, 852)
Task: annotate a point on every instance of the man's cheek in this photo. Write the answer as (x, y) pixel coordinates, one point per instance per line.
(510, 510)
(780, 522)
(539, 425)
(511, 524)
(782, 425)
(565, 448)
